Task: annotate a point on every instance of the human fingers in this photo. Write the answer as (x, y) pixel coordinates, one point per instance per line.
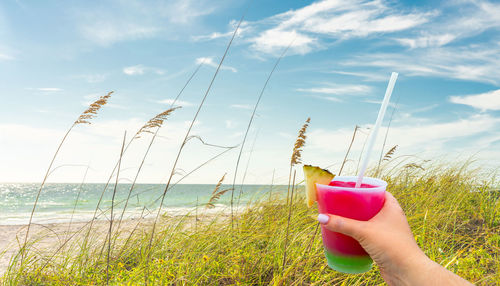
(351, 227)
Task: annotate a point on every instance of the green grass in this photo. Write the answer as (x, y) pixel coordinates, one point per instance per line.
(455, 219)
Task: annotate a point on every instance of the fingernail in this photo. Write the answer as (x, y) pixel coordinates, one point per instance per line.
(323, 218)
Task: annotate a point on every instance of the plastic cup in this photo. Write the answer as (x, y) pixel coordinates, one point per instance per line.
(344, 253)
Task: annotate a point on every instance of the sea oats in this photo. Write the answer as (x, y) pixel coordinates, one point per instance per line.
(389, 153)
(148, 249)
(413, 166)
(299, 143)
(94, 107)
(216, 194)
(250, 124)
(155, 122)
(88, 114)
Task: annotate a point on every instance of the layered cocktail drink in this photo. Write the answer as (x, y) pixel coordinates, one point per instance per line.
(340, 197)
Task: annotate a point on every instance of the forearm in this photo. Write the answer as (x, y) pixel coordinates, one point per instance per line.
(428, 272)
(417, 269)
(438, 275)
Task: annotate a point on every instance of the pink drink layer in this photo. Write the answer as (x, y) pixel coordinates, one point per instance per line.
(350, 185)
(341, 198)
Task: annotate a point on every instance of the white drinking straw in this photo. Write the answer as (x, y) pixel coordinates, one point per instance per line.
(373, 135)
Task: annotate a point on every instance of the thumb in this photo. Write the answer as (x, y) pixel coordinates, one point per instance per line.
(351, 227)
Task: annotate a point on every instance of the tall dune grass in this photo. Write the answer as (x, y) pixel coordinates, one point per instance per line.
(454, 212)
(453, 215)
(83, 118)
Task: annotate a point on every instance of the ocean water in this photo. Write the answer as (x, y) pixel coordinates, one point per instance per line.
(65, 202)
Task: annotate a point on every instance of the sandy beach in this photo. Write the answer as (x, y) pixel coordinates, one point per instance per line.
(50, 237)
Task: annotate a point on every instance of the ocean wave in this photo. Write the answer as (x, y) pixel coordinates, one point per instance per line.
(83, 216)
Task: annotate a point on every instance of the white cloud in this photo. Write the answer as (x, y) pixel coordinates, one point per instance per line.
(242, 106)
(187, 11)
(232, 26)
(5, 57)
(332, 19)
(110, 22)
(424, 109)
(93, 78)
(484, 101)
(141, 69)
(339, 89)
(274, 39)
(230, 124)
(49, 89)
(472, 62)
(170, 101)
(46, 89)
(25, 159)
(134, 70)
(105, 32)
(459, 20)
(427, 41)
(210, 62)
(212, 36)
(365, 75)
(329, 98)
(411, 137)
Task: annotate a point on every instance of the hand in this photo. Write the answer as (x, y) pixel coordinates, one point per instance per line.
(388, 239)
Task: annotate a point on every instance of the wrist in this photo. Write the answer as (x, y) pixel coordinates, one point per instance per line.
(421, 268)
(412, 270)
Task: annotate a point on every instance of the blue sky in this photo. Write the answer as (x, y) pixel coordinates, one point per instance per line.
(58, 56)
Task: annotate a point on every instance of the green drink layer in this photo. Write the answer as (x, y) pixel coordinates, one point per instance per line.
(348, 264)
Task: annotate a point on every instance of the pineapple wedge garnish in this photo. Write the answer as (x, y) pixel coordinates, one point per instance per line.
(312, 176)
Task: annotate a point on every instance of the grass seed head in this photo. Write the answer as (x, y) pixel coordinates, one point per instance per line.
(299, 143)
(155, 122)
(94, 107)
(216, 194)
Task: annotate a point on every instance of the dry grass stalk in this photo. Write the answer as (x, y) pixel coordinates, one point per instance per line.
(88, 114)
(271, 187)
(387, 135)
(246, 168)
(363, 148)
(250, 124)
(349, 149)
(76, 201)
(208, 144)
(188, 174)
(288, 221)
(144, 157)
(112, 208)
(299, 143)
(461, 226)
(216, 194)
(296, 159)
(389, 153)
(413, 166)
(94, 107)
(148, 249)
(296, 154)
(155, 122)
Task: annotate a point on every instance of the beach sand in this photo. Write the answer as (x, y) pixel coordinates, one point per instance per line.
(50, 237)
